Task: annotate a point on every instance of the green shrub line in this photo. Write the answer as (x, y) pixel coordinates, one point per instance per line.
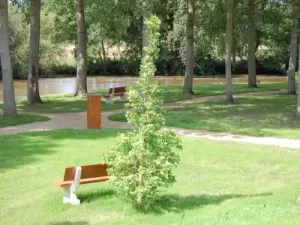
(131, 67)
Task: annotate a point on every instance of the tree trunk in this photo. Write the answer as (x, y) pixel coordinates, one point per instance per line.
(251, 46)
(81, 88)
(233, 50)
(9, 108)
(146, 14)
(229, 32)
(298, 97)
(293, 51)
(33, 95)
(104, 59)
(190, 58)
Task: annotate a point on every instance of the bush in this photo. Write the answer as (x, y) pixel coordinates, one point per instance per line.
(142, 160)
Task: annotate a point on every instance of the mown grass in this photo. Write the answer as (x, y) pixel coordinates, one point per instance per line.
(255, 115)
(217, 183)
(21, 119)
(171, 93)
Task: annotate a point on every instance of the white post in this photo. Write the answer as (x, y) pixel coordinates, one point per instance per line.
(70, 196)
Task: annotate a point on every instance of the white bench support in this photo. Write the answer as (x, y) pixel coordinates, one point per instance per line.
(124, 97)
(70, 196)
(110, 98)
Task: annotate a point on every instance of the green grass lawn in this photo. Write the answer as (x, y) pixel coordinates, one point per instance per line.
(217, 183)
(171, 93)
(255, 116)
(21, 119)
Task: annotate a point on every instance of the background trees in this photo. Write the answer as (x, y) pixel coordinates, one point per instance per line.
(192, 41)
(9, 108)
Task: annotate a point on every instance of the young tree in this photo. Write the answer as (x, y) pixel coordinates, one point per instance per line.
(81, 78)
(293, 49)
(142, 160)
(229, 33)
(251, 45)
(147, 9)
(9, 108)
(190, 58)
(33, 95)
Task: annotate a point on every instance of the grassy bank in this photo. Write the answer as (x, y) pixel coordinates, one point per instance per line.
(256, 116)
(21, 119)
(171, 93)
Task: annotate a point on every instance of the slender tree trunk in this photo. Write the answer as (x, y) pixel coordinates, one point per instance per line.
(81, 89)
(233, 51)
(9, 108)
(298, 97)
(33, 95)
(229, 32)
(251, 46)
(146, 14)
(104, 59)
(190, 58)
(293, 51)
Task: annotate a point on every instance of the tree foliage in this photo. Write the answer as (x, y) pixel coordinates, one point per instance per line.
(142, 160)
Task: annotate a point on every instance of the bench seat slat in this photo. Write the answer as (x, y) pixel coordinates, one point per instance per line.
(82, 181)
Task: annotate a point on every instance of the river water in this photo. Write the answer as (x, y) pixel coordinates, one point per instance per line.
(67, 85)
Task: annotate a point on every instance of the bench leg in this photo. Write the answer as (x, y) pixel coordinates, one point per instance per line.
(123, 98)
(110, 99)
(70, 196)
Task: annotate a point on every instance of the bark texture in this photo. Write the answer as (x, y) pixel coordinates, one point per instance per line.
(229, 34)
(251, 46)
(298, 96)
(190, 58)
(9, 108)
(81, 78)
(33, 95)
(293, 51)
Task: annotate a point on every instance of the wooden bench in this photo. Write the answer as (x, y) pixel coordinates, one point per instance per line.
(116, 91)
(74, 176)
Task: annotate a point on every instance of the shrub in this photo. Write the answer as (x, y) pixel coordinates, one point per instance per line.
(142, 160)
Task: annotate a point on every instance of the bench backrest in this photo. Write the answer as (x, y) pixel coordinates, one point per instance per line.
(87, 171)
(117, 90)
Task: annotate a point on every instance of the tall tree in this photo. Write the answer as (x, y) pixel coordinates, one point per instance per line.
(298, 97)
(147, 9)
(190, 58)
(9, 108)
(251, 45)
(229, 34)
(293, 49)
(81, 88)
(33, 95)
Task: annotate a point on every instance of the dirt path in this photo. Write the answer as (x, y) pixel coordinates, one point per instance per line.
(78, 121)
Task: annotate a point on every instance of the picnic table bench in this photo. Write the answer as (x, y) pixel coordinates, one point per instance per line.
(76, 175)
(116, 91)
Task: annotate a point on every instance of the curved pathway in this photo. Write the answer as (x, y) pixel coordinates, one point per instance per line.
(78, 121)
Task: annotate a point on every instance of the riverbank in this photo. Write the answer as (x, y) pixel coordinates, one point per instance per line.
(50, 86)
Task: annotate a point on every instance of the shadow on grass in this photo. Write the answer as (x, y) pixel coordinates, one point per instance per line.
(93, 196)
(21, 149)
(69, 223)
(179, 204)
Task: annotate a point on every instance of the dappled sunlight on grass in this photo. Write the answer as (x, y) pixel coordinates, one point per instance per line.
(257, 116)
(215, 180)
